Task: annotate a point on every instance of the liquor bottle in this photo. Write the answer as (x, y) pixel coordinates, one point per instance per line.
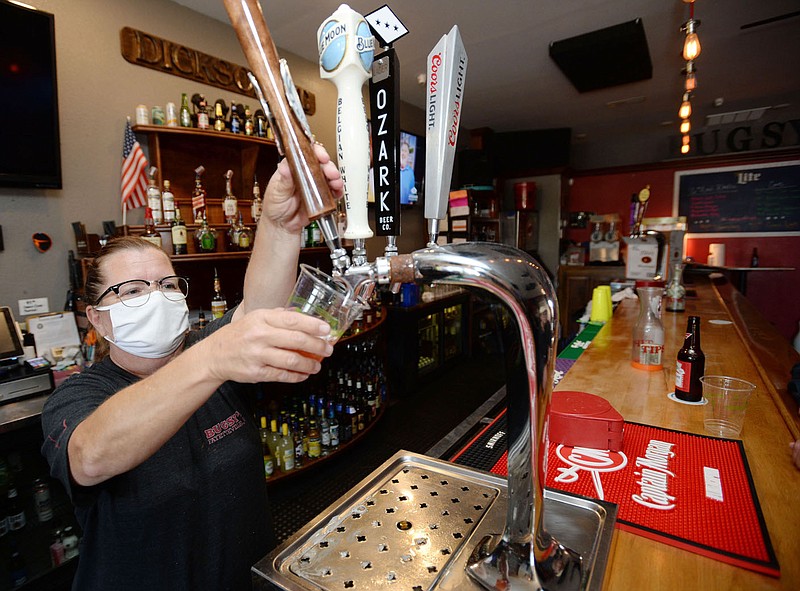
(219, 118)
(232, 235)
(300, 438)
(249, 124)
(255, 208)
(314, 440)
(218, 303)
(261, 124)
(70, 541)
(236, 122)
(691, 364)
(154, 196)
(202, 114)
(230, 205)
(202, 322)
(372, 403)
(15, 510)
(41, 500)
(178, 233)
(273, 440)
(324, 431)
(675, 294)
(244, 235)
(754, 258)
(17, 571)
(150, 233)
(333, 423)
(168, 200)
(185, 114)
(269, 462)
(57, 552)
(205, 237)
(198, 195)
(286, 449)
(359, 399)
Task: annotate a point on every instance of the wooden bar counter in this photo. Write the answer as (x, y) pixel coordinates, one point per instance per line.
(735, 347)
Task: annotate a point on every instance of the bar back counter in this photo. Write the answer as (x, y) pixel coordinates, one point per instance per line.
(737, 342)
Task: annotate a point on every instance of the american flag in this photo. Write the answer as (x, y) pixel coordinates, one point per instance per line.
(134, 175)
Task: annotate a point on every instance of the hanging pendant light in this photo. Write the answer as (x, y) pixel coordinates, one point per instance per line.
(690, 76)
(691, 51)
(686, 107)
(691, 44)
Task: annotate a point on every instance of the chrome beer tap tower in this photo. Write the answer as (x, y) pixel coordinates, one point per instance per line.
(524, 556)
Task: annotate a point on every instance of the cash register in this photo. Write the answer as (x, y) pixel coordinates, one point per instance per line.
(19, 379)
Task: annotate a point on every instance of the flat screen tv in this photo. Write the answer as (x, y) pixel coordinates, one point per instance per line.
(30, 150)
(412, 169)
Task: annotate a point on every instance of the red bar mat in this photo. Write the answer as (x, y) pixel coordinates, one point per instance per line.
(689, 491)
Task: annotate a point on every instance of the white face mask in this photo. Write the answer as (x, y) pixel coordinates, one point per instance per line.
(153, 330)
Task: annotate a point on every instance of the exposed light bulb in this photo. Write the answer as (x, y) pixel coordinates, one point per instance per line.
(686, 108)
(685, 140)
(691, 81)
(691, 47)
(685, 149)
(685, 126)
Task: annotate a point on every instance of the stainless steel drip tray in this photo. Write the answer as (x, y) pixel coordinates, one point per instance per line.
(411, 525)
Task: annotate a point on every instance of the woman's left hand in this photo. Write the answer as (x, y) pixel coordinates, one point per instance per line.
(283, 205)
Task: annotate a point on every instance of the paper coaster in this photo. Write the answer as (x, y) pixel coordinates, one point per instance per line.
(674, 398)
(717, 321)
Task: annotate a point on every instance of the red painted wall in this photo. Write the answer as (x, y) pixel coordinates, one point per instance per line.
(775, 294)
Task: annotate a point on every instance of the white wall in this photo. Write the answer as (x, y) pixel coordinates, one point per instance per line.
(97, 89)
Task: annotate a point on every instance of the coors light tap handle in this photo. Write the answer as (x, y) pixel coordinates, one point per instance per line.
(280, 101)
(447, 69)
(345, 57)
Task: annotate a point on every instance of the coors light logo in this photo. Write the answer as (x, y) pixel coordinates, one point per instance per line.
(433, 90)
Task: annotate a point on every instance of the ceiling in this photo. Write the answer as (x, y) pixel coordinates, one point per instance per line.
(512, 84)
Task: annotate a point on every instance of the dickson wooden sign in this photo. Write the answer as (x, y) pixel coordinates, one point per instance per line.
(149, 51)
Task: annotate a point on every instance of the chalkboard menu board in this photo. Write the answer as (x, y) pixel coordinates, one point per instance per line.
(741, 199)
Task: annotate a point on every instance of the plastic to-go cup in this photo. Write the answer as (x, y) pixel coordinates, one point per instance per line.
(727, 404)
(321, 296)
(601, 304)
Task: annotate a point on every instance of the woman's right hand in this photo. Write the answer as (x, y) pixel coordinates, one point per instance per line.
(274, 345)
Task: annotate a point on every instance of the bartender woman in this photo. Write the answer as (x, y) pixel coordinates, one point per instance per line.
(155, 444)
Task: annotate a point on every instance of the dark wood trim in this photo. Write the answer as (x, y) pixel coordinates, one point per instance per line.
(772, 354)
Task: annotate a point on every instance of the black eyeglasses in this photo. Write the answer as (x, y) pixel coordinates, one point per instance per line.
(136, 292)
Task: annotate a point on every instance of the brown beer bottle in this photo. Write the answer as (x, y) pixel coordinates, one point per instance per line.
(691, 364)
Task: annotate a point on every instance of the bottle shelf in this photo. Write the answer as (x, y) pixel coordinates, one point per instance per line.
(362, 340)
(201, 133)
(308, 464)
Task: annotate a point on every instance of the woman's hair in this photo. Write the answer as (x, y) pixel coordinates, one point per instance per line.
(95, 278)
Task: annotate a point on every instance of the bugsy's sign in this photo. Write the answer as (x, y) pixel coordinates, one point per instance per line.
(149, 51)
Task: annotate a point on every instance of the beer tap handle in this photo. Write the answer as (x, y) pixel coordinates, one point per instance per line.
(289, 122)
(447, 68)
(345, 45)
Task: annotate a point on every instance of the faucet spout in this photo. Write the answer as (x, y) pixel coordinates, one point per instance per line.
(525, 556)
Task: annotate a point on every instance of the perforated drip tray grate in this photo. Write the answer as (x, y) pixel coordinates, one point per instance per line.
(411, 525)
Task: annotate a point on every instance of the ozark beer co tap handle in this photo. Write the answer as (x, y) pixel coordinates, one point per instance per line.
(274, 85)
